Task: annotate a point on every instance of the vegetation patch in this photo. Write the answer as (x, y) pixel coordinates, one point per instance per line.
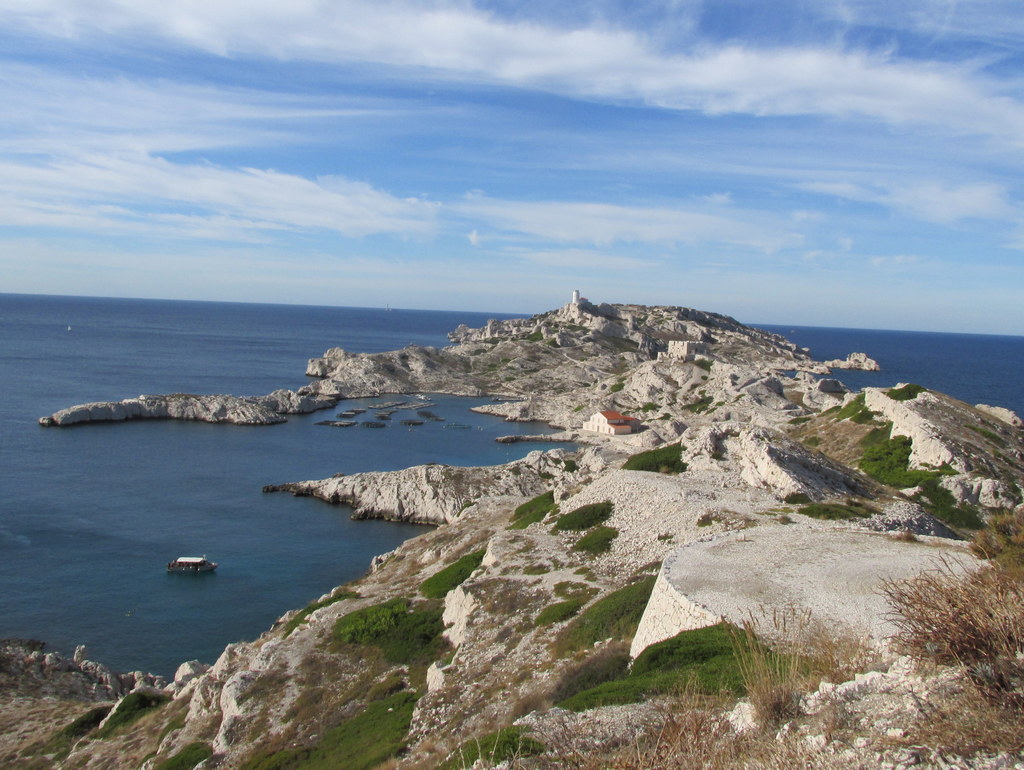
(617, 386)
(702, 404)
(615, 616)
(559, 612)
(190, 756)
(1002, 541)
(704, 659)
(992, 436)
(131, 708)
(703, 363)
(534, 510)
(584, 517)
(856, 411)
(598, 540)
(360, 743)
(666, 459)
(852, 509)
(61, 743)
(797, 498)
(439, 584)
(402, 635)
(570, 589)
(505, 745)
(906, 393)
(309, 609)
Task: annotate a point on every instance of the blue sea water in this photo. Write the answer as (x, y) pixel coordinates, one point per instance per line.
(90, 514)
(976, 368)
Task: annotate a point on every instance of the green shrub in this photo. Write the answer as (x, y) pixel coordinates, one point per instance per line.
(402, 636)
(60, 744)
(597, 540)
(360, 743)
(558, 612)
(533, 511)
(702, 404)
(888, 462)
(666, 459)
(619, 385)
(606, 664)
(505, 745)
(132, 707)
(799, 420)
(439, 584)
(906, 393)
(650, 406)
(837, 511)
(584, 517)
(536, 336)
(856, 411)
(797, 498)
(615, 616)
(942, 505)
(309, 609)
(703, 658)
(190, 756)
(992, 436)
(703, 363)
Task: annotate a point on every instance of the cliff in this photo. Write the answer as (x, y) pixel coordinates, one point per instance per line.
(562, 596)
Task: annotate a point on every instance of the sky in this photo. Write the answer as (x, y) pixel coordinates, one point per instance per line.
(851, 163)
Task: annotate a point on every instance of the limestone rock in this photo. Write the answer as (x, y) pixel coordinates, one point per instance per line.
(1001, 413)
(855, 361)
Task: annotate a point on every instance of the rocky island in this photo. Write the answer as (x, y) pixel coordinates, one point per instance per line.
(740, 563)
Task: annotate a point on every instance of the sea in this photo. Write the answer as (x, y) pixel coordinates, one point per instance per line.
(89, 515)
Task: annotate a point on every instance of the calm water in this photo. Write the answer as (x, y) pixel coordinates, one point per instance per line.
(976, 368)
(90, 514)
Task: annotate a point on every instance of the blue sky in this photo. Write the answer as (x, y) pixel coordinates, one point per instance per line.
(832, 162)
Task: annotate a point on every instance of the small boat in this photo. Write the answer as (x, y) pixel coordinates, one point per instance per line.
(458, 425)
(191, 564)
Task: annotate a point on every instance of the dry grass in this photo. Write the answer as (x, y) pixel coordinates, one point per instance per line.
(975, 620)
(966, 722)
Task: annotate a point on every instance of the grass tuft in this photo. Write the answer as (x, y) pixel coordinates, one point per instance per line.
(440, 583)
(665, 459)
(615, 616)
(598, 540)
(533, 511)
(402, 635)
(584, 517)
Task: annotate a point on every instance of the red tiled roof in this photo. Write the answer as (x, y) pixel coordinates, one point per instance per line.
(609, 415)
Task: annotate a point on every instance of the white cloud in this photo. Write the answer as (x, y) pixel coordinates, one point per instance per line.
(143, 194)
(928, 200)
(453, 39)
(604, 224)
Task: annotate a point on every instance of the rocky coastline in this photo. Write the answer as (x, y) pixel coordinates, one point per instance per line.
(751, 476)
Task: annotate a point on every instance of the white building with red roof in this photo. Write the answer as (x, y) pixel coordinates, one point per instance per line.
(611, 423)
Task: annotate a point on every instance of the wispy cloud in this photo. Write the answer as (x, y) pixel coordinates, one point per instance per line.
(604, 224)
(931, 201)
(456, 40)
(143, 194)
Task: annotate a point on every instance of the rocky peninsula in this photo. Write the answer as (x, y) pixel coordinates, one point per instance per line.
(579, 608)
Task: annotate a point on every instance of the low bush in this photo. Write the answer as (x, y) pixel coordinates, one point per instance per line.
(703, 660)
(606, 664)
(505, 745)
(1002, 541)
(584, 517)
(888, 461)
(702, 404)
(131, 708)
(190, 756)
(374, 735)
(440, 583)
(906, 393)
(974, 619)
(856, 411)
(666, 459)
(837, 511)
(614, 616)
(558, 612)
(300, 617)
(598, 540)
(60, 744)
(402, 635)
(533, 511)
(797, 498)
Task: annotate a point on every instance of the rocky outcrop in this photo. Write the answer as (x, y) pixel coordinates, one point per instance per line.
(854, 361)
(251, 410)
(428, 494)
(1001, 413)
(27, 669)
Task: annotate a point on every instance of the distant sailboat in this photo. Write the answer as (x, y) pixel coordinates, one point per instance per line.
(69, 327)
